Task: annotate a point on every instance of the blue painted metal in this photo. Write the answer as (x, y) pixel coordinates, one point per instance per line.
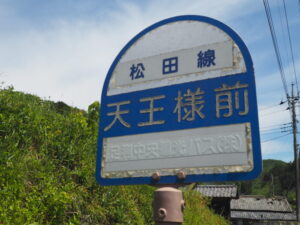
(170, 92)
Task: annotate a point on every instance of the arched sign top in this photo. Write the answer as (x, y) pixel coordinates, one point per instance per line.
(175, 34)
(179, 97)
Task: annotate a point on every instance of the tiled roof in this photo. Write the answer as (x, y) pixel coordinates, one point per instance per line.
(218, 191)
(260, 203)
(259, 215)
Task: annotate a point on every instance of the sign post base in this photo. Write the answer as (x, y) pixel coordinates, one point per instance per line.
(168, 206)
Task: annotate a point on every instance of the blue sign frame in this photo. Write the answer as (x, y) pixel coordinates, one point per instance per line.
(171, 91)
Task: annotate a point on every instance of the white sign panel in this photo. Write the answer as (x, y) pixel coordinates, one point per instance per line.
(211, 147)
(177, 63)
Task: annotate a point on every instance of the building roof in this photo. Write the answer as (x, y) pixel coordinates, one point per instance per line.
(260, 203)
(259, 215)
(218, 191)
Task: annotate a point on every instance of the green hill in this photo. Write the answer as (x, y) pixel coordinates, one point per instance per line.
(47, 161)
(269, 164)
(277, 179)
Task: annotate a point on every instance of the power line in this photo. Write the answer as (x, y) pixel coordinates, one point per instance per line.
(276, 125)
(275, 44)
(284, 39)
(274, 132)
(291, 46)
(271, 129)
(281, 129)
(272, 106)
(277, 130)
(271, 139)
(270, 113)
(291, 100)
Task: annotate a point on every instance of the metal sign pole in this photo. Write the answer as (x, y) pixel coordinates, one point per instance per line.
(168, 205)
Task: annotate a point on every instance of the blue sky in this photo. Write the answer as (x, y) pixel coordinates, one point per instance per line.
(62, 49)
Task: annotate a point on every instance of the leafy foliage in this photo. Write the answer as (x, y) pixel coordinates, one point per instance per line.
(277, 178)
(197, 212)
(47, 160)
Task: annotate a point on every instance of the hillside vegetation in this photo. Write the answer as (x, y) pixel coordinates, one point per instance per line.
(47, 161)
(277, 179)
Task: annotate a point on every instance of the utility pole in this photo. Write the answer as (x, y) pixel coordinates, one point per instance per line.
(292, 100)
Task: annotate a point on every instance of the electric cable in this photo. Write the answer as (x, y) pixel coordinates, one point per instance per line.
(271, 139)
(274, 112)
(291, 46)
(275, 44)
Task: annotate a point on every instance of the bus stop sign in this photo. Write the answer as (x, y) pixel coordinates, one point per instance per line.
(179, 98)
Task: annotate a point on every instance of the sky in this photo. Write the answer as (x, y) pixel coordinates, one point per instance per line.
(62, 50)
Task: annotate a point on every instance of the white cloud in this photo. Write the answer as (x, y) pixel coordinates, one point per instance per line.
(269, 148)
(68, 63)
(274, 115)
(69, 60)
